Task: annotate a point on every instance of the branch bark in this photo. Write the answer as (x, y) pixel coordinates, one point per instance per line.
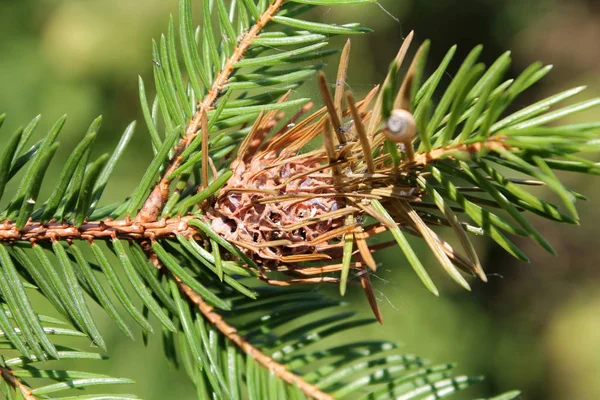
(491, 145)
(103, 230)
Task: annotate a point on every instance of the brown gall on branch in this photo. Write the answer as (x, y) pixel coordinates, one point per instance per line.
(289, 210)
(158, 196)
(300, 213)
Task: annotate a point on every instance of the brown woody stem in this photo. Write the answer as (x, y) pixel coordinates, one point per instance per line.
(103, 230)
(154, 203)
(492, 144)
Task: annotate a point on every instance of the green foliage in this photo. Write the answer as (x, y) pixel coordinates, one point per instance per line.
(68, 249)
(43, 368)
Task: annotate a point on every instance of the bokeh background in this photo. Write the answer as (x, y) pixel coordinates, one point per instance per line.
(535, 327)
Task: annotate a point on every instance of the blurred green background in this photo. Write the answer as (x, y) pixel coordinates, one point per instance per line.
(534, 327)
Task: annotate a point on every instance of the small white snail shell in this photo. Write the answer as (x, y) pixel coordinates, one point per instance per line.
(400, 126)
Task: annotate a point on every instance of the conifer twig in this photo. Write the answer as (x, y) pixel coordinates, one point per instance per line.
(123, 229)
(159, 194)
(166, 228)
(493, 144)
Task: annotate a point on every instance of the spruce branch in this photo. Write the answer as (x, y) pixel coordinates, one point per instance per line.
(276, 212)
